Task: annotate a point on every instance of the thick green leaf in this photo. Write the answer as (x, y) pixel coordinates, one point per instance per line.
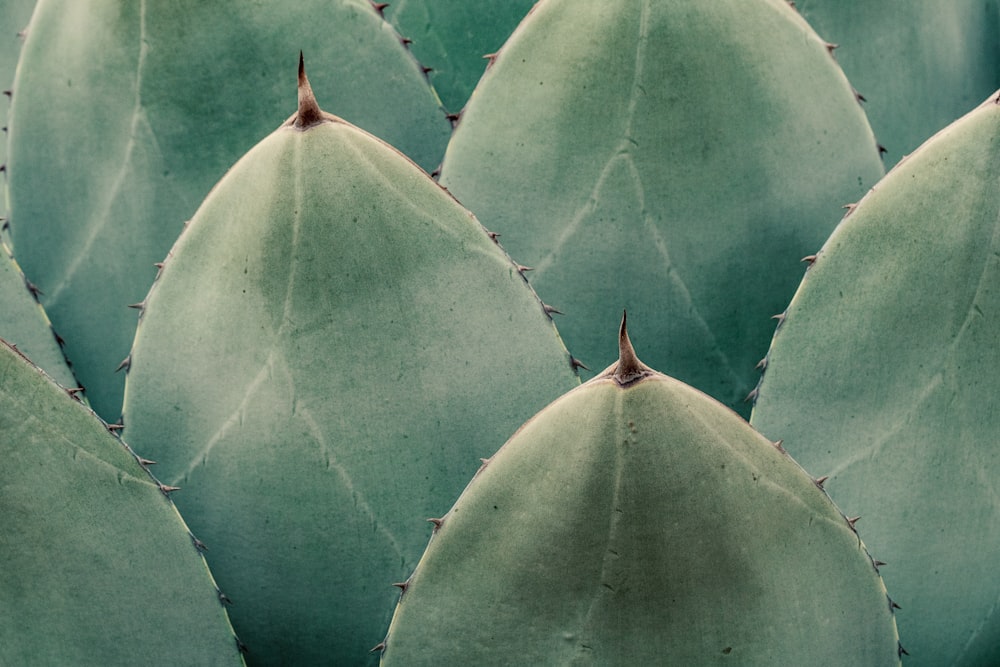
(452, 38)
(14, 17)
(23, 322)
(635, 521)
(884, 376)
(919, 63)
(331, 342)
(128, 112)
(96, 566)
(677, 158)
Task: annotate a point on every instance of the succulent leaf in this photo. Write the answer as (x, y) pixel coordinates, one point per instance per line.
(97, 566)
(317, 366)
(454, 38)
(920, 64)
(676, 158)
(637, 521)
(128, 112)
(883, 376)
(23, 322)
(14, 17)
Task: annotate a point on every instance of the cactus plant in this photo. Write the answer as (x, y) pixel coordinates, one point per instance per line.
(23, 322)
(920, 64)
(637, 521)
(454, 39)
(883, 376)
(655, 173)
(96, 566)
(328, 344)
(137, 108)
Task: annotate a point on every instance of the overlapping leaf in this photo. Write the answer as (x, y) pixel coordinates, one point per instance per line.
(14, 17)
(637, 521)
(454, 37)
(676, 158)
(884, 376)
(23, 322)
(128, 112)
(96, 566)
(332, 342)
(920, 64)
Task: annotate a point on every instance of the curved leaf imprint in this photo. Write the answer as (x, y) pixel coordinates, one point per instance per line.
(685, 192)
(130, 112)
(623, 153)
(101, 218)
(883, 377)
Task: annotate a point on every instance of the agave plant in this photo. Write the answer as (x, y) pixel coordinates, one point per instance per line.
(332, 343)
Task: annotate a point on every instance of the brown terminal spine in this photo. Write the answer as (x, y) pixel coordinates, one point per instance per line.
(309, 113)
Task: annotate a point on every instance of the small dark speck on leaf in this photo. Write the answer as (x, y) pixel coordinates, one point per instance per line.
(727, 650)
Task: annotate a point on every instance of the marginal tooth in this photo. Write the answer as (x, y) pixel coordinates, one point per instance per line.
(549, 310)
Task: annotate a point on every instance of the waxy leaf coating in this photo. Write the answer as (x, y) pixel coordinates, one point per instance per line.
(23, 322)
(919, 64)
(128, 111)
(675, 158)
(329, 344)
(637, 521)
(884, 377)
(96, 566)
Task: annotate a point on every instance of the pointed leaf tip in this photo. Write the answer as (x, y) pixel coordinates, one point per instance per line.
(309, 113)
(629, 369)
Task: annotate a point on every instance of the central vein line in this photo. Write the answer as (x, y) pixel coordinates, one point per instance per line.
(293, 251)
